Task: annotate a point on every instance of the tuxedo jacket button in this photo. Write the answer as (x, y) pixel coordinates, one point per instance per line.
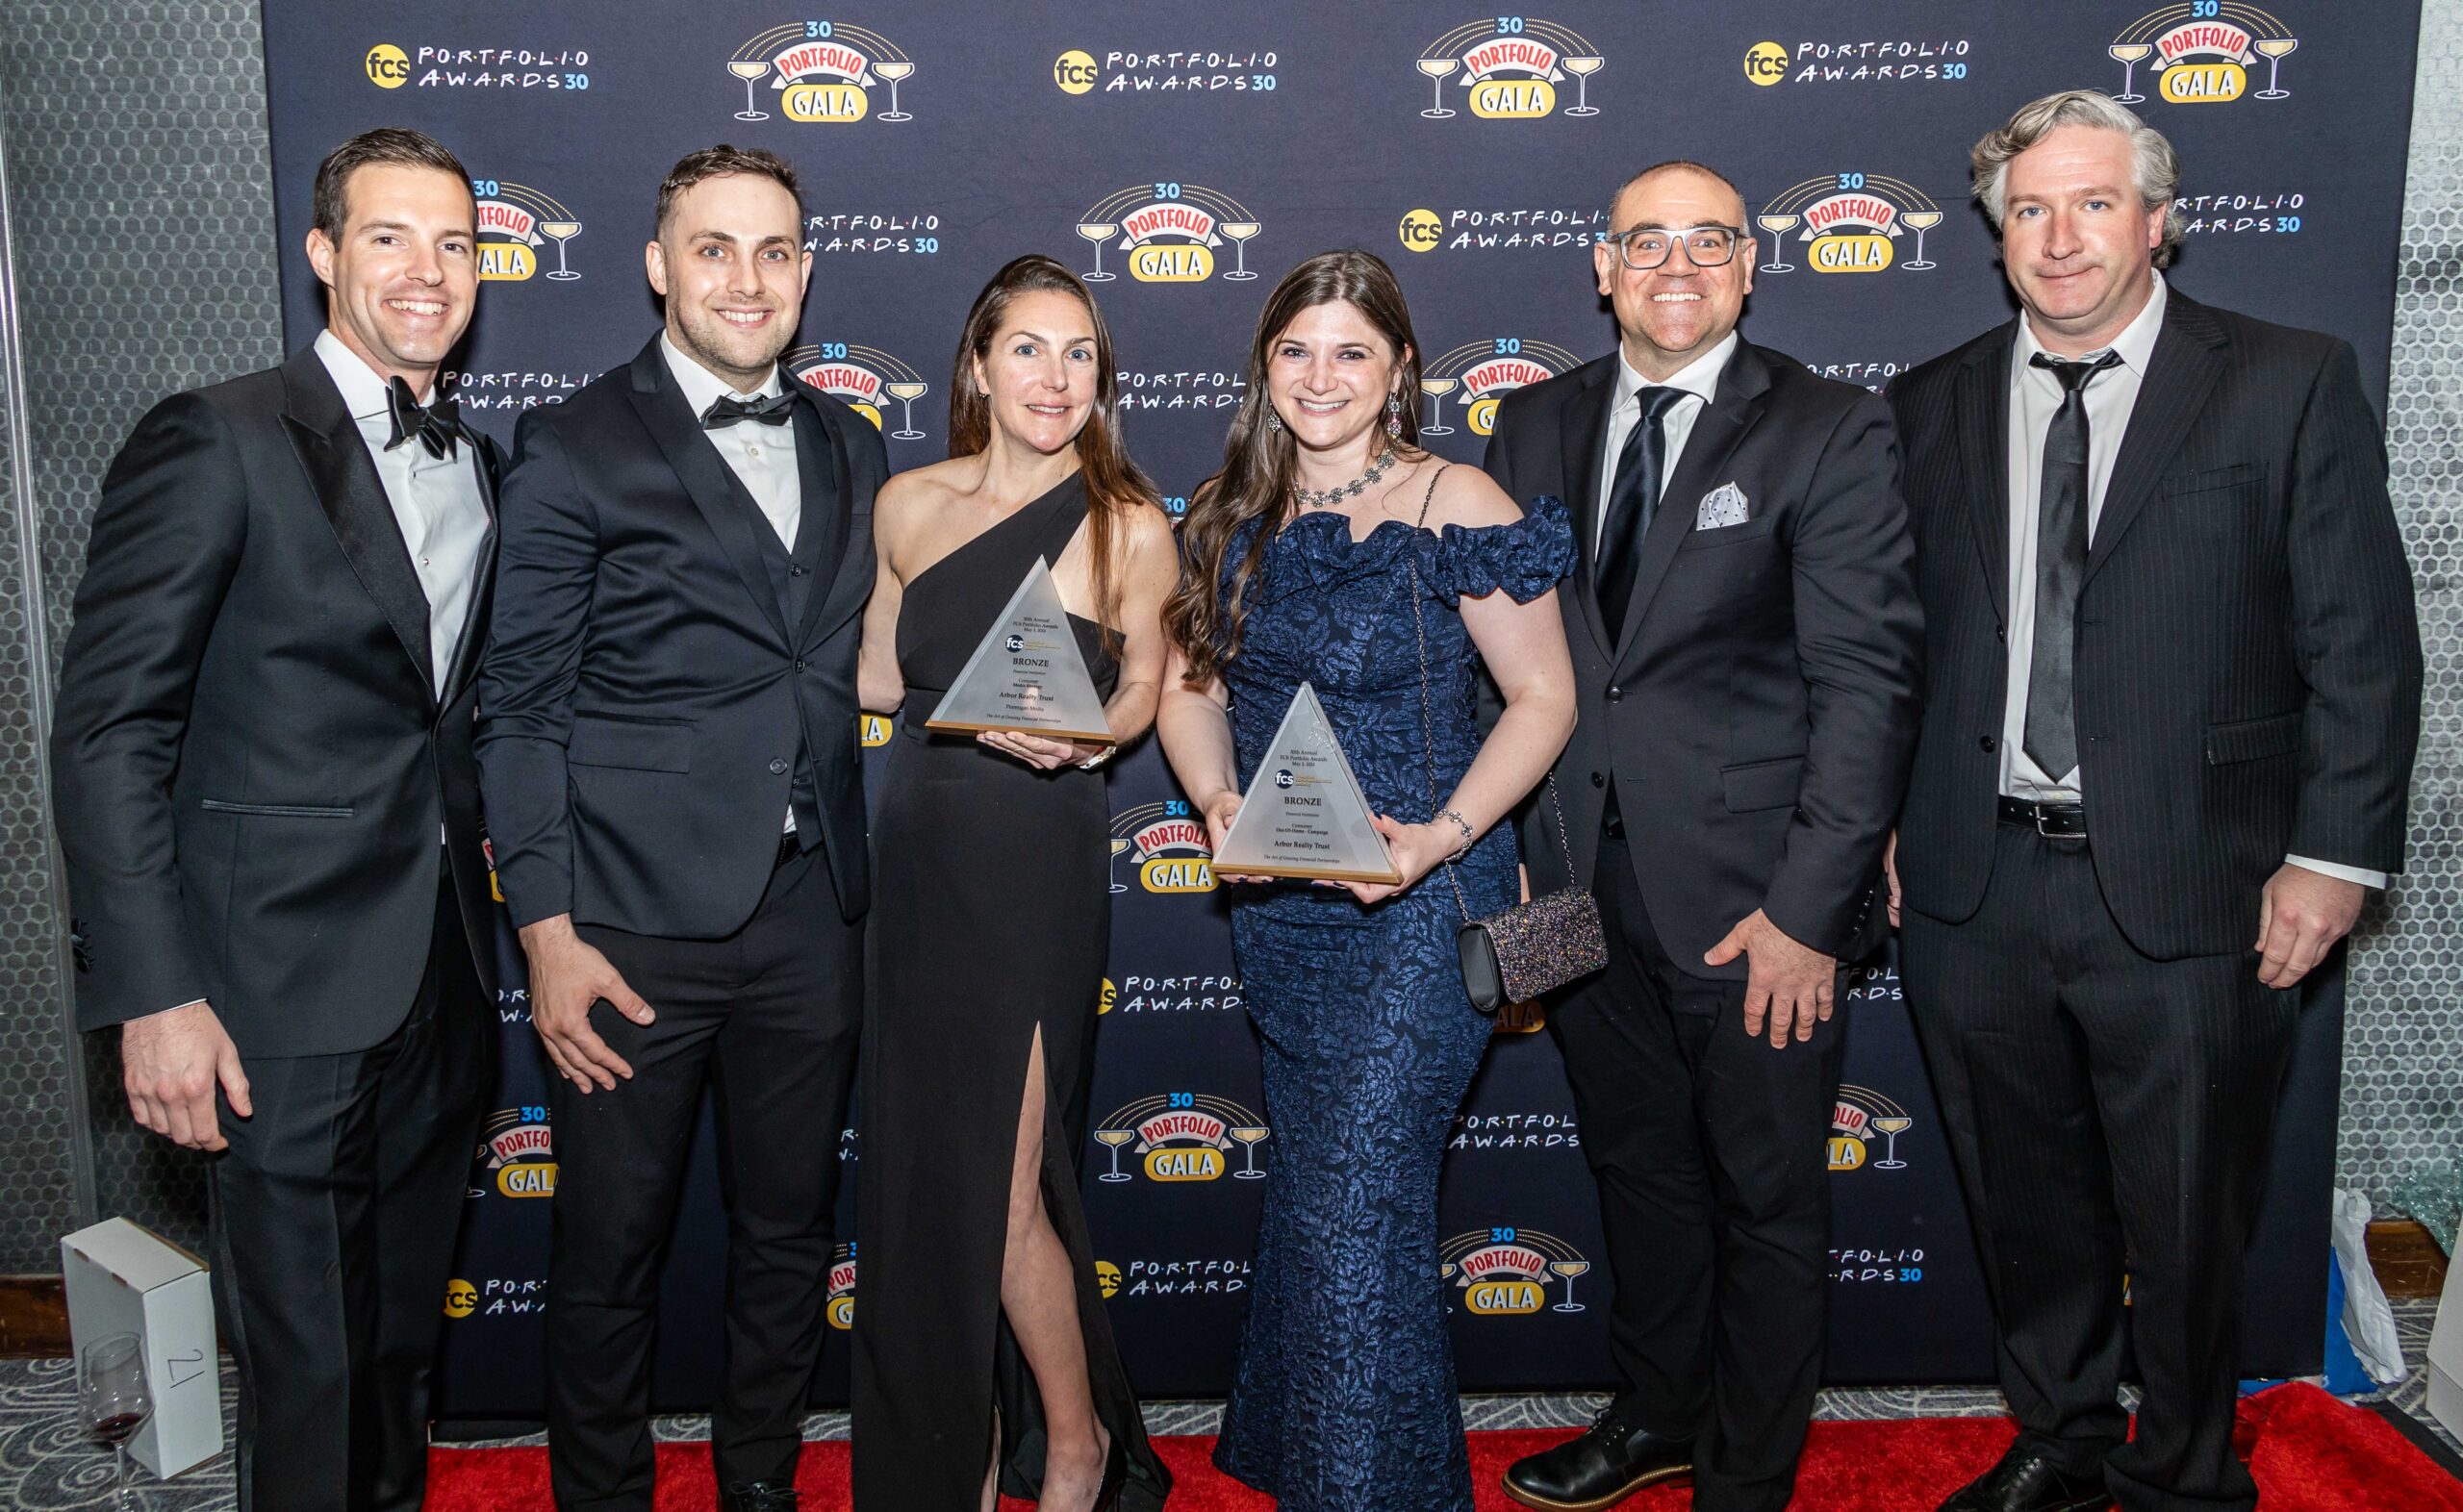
(1988, 744)
(777, 765)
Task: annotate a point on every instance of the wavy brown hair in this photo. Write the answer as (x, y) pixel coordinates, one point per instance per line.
(1256, 481)
(1115, 485)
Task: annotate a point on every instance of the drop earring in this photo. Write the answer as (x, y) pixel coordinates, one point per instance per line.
(1274, 419)
(1393, 416)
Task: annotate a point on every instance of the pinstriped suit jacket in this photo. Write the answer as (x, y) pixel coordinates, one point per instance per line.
(2248, 664)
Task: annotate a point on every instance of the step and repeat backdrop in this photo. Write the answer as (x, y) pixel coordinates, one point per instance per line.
(1182, 157)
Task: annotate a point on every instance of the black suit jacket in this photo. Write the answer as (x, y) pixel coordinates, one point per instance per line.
(250, 762)
(2248, 664)
(1757, 714)
(644, 697)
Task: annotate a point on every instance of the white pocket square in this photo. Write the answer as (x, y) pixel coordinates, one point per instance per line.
(1721, 507)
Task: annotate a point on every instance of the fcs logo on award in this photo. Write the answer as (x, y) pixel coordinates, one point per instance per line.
(862, 376)
(516, 1146)
(515, 221)
(1480, 373)
(1512, 65)
(821, 72)
(1170, 231)
(2203, 52)
(1860, 1113)
(1509, 1271)
(840, 1309)
(1169, 846)
(1849, 223)
(1184, 1136)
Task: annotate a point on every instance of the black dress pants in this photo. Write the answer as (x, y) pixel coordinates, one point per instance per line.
(1710, 1148)
(335, 1214)
(769, 1018)
(2109, 1115)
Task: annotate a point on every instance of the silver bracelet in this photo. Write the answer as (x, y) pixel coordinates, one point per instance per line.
(1465, 825)
(1099, 758)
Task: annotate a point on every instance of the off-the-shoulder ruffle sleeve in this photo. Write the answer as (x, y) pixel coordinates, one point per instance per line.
(1525, 557)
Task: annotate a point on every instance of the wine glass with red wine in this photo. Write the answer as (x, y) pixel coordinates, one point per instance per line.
(111, 1388)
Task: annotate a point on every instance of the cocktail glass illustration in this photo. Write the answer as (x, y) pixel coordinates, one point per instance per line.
(1239, 231)
(1115, 1138)
(894, 70)
(1893, 1128)
(2273, 50)
(748, 70)
(1437, 388)
(1437, 69)
(1583, 69)
(1923, 221)
(1120, 843)
(1778, 226)
(906, 394)
(1568, 1269)
(2128, 55)
(1251, 1138)
(1097, 231)
(561, 232)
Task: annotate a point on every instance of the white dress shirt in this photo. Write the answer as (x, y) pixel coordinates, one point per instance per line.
(2034, 397)
(1700, 381)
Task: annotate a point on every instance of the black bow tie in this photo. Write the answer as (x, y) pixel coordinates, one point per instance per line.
(438, 426)
(726, 410)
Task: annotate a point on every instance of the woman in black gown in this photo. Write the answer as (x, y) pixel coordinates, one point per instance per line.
(991, 919)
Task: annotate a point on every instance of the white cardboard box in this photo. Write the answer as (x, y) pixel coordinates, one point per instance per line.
(2446, 1354)
(122, 1279)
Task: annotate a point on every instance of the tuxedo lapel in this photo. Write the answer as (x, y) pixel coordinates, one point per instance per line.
(1584, 433)
(343, 478)
(1744, 387)
(725, 506)
(2187, 360)
(1982, 394)
(820, 454)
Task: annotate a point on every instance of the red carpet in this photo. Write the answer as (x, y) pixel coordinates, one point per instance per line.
(2309, 1452)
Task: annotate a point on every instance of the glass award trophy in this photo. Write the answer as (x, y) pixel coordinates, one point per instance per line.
(1304, 814)
(1026, 675)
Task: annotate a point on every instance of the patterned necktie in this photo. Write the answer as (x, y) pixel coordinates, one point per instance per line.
(438, 426)
(726, 410)
(2061, 565)
(1632, 501)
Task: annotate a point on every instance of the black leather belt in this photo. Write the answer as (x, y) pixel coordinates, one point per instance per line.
(2052, 820)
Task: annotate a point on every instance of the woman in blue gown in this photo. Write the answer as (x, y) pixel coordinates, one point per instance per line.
(1303, 560)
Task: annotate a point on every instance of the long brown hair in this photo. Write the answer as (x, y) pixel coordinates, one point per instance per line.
(1115, 485)
(1256, 482)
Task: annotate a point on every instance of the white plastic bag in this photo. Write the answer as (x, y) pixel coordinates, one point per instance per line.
(2368, 1321)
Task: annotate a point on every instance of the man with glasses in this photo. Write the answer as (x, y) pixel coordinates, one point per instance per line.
(1744, 630)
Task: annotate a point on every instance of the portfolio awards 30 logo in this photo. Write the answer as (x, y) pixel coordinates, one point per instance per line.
(865, 377)
(821, 72)
(840, 1308)
(515, 225)
(1510, 66)
(1848, 223)
(1167, 844)
(1507, 1272)
(1169, 232)
(2203, 52)
(1479, 373)
(516, 1154)
(1858, 1116)
(1182, 1136)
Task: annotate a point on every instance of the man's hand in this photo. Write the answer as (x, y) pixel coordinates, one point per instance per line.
(1890, 870)
(1787, 984)
(567, 978)
(2300, 915)
(170, 1063)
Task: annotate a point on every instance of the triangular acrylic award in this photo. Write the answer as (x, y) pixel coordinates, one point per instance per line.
(1304, 814)
(1026, 675)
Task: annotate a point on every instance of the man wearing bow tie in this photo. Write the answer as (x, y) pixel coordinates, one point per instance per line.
(1744, 633)
(668, 739)
(270, 810)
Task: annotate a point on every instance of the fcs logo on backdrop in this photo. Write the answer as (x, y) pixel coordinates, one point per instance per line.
(516, 1154)
(1167, 845)
(1506, 1271)
(1182, 1136)
(840, 1309)
(2202, 51)
(821, 72)
(516, 223)
(1480, 373)
(1510, 66)
(1169, 232)
(1848, 223)
(1859, 1115)
(865, 377)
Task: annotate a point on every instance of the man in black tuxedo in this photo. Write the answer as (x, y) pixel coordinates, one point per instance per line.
(270, 812)
(2172, 696)
(669, 746)
(1745, 635)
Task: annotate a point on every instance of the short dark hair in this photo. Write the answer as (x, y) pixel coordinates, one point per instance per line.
(717, 162)
(394, 144)
(1671, 166)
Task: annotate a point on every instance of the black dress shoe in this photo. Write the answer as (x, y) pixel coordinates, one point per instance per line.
(1115, 1478)
(1610, 1462)
(2027, 1481)
(758, 1495)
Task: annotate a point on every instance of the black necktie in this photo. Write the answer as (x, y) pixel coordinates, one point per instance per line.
(2061, 565)
(438, 426)
(726, 410)
(1632, 501)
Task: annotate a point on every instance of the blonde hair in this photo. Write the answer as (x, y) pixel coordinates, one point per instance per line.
(2158, 167)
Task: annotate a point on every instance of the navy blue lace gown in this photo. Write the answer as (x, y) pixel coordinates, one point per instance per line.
(1346, 1398)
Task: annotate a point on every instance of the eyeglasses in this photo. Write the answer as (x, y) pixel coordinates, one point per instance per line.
(1646, 247)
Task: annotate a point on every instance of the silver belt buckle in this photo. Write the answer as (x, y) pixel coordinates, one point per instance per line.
(2041, 831)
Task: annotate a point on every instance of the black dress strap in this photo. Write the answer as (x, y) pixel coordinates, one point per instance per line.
(1069, 507)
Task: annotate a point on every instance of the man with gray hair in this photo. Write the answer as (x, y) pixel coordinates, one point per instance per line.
(2173, 693)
